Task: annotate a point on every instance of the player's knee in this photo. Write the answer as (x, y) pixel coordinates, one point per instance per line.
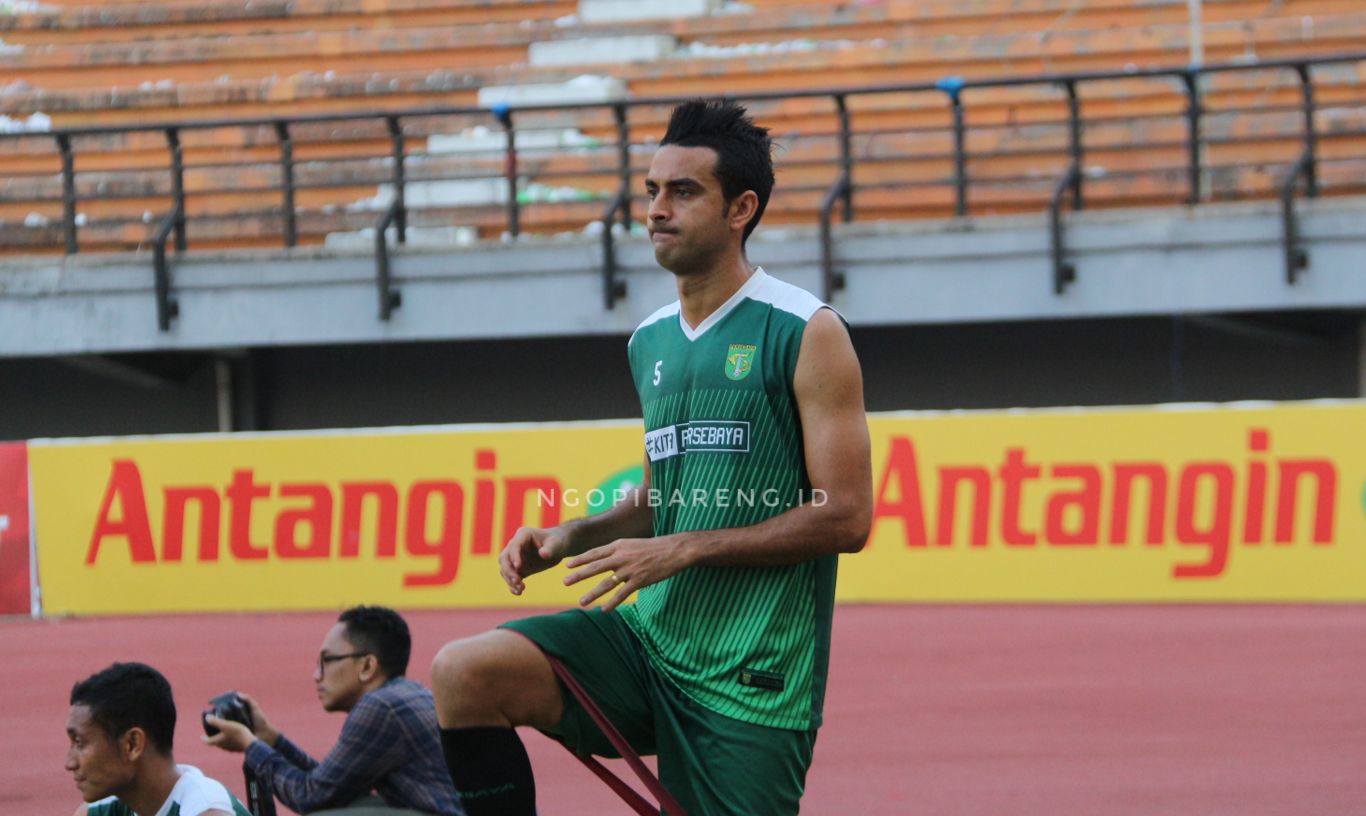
(467, 674)
(493, 679)
(456, 667)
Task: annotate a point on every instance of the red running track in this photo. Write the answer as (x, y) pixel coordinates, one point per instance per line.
(1087, 710)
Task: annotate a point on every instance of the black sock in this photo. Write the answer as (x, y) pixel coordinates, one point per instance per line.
(491, 771)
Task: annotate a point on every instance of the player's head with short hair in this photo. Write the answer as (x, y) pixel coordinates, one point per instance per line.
(382, 632)
(744, 151)
(126, 696)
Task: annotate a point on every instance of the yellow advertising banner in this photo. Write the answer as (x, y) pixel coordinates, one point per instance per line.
(408, 518)
(1254, 502)
(1181, 503)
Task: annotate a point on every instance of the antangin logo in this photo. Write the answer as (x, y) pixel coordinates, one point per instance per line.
(705, 436)
(436, 519)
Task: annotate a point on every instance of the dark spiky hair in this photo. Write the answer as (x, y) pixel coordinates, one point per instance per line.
(744, 151)
(130, 695)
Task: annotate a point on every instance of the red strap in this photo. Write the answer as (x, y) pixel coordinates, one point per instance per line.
(632, 798)
(637, 802)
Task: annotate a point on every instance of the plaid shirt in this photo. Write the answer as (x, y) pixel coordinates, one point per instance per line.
(390, 744)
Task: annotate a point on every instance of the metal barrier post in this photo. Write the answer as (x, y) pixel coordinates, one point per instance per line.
(177, 186)
(846, 158)
(400, 217)
(832, 280)
(504, 114)
(68, 192)
(612, 289)
(953, 86)
(389, 297)
(842, 190)
(287, 182)
(167, 306)
(1296, 257)
(1065, 273)
(623, 161)
(1074, 140)
(397, 215)
(1191, 79)
(1311, 138)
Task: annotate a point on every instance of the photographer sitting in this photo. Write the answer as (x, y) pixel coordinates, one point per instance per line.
(390, 743)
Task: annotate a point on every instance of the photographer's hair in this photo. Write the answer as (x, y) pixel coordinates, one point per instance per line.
(130, 695)
(381, 632)
(744, 151)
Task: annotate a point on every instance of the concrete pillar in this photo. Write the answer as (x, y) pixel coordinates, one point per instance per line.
(1361, 357)
(223, 390)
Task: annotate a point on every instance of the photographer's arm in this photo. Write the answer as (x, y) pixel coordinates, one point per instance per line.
(369, 747)
(261, 726)
(235, 737)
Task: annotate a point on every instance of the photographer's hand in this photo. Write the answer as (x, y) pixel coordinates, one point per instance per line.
(262, 728)
(231, 736)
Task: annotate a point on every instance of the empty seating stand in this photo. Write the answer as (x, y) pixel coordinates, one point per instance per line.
(67, 66)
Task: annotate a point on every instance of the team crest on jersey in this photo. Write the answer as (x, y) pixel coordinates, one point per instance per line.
(739, 361)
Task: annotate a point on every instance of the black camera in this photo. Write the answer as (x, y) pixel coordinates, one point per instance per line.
(227, 706)
(230, 706)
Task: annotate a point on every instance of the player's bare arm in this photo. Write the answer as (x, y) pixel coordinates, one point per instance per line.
(829, 392)
(534, 549)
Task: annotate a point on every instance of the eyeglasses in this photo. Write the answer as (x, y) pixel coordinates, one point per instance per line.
(324, 659)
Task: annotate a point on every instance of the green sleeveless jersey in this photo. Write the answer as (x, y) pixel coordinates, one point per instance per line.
(724, 442)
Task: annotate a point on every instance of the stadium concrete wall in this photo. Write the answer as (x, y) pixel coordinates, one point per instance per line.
(1116, 361)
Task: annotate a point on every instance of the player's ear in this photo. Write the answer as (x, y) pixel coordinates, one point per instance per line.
(133, 743)
(742, 209)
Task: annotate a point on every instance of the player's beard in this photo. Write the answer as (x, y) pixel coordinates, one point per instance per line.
(691, 256)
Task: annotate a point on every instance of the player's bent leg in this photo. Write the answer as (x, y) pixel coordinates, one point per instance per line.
(484, 686)
(498, 678)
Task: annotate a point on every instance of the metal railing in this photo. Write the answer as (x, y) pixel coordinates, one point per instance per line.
(843, 191)
(1296, 259)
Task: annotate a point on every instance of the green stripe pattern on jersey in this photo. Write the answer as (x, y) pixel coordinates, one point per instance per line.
(725, 447)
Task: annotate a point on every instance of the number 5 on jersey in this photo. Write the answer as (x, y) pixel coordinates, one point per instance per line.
(658, 363)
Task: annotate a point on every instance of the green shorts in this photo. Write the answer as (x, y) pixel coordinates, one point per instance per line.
(711, 763)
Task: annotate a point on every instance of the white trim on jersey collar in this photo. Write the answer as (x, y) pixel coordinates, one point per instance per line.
(755, 281)
(655, 316)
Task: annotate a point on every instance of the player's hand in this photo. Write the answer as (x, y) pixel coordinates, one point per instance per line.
(629, 564)
(262, 727)
(529, 551)
(231, 736)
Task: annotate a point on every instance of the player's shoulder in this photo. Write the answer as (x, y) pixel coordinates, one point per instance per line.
(197, 794)
(663, 313)
(785, 297)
